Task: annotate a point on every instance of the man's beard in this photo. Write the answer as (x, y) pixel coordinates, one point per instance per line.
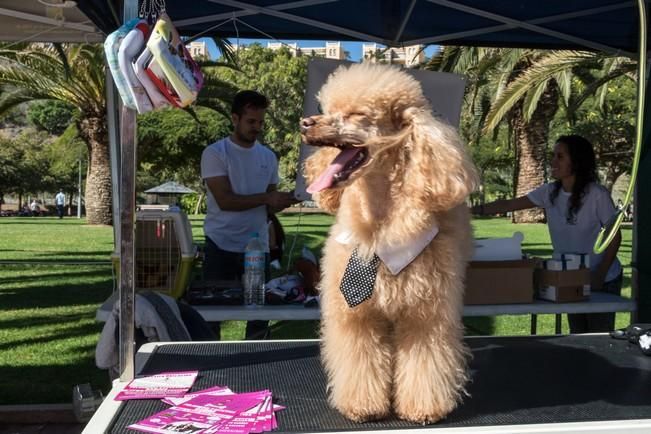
(247, 138)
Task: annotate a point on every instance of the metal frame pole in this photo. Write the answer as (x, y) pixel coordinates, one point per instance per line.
(128, 147)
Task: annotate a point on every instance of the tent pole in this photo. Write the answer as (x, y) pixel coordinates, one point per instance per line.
(641, 255)
(640, 261)
(113, 127)
(127, 227)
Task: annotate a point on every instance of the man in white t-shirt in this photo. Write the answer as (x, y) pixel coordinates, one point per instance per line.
(60, 201)
(241, 177)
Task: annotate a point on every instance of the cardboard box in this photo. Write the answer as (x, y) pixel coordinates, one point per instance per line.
(563, 286)
(500, 282)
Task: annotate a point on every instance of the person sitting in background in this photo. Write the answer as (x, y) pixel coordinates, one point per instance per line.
(576, 207)
(34, 208)
(276, 241)
(25, 211)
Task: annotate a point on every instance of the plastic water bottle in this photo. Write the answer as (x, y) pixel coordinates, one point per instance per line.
(253, 280)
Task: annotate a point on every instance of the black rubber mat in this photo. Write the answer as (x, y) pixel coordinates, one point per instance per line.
(515, 380)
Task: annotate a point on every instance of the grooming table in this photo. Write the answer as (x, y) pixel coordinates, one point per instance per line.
(598, 302)
(577, 383)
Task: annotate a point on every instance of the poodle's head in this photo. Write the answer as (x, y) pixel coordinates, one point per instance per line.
(376, 120)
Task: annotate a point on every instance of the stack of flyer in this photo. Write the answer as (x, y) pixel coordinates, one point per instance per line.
(210, 411)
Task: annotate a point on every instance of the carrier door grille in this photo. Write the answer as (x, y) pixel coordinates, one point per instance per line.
(158, 255)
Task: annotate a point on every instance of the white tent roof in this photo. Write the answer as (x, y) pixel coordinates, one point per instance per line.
(45, 21)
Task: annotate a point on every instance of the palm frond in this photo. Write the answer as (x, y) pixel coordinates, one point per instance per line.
(226, 49)
(64, 59)
(69, 73)
(543, 69)
(11, 98)
(617, 70)
(564, 82)
(532, 98)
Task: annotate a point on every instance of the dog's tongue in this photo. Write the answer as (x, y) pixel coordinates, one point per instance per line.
(326, 179)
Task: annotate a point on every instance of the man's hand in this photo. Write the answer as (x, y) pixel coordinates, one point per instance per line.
(279, 200)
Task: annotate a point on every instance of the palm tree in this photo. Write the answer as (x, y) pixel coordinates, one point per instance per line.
(526, 89)
(73, 74)
(489, 71)
(551, 79)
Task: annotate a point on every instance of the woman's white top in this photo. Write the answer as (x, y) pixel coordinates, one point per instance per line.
(579, 234)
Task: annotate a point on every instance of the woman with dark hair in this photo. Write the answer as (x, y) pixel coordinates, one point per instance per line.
(576, 207)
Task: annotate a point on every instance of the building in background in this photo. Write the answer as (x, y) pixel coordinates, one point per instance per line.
(408, 56)
(198, 50)
(331, 50)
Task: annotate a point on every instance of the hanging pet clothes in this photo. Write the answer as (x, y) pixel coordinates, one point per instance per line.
(158, 100)
(131, 46)
(160, 81)
(111, 48)
(152, 71)
(175, 63)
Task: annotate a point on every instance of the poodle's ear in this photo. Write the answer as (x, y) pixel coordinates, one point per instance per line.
(439, 170)
(329, 199)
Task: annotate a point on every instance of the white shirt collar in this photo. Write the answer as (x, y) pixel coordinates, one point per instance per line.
(396, 257)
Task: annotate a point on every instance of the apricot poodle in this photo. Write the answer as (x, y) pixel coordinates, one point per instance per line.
(397, 179)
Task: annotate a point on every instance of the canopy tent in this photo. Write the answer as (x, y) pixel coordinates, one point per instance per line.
(169, 191)
(45, 21)
(170, 187)
(603, 25)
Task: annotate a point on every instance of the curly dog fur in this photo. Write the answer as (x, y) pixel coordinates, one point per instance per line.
(403, 348)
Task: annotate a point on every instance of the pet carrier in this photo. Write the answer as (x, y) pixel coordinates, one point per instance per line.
(165, 252)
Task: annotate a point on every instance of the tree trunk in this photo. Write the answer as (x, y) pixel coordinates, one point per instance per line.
(531, 151)
(98, 182)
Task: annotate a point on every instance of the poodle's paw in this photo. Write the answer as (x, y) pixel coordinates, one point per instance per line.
(357, 412)
(422, 415)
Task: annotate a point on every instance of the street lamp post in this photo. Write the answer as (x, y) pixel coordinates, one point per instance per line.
(79, 192)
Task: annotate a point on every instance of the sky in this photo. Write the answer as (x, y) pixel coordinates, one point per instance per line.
(354, 48)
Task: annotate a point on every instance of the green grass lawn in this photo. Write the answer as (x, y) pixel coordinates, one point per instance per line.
(55, 273)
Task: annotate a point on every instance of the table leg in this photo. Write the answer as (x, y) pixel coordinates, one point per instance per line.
(559, 318)
(534, 323)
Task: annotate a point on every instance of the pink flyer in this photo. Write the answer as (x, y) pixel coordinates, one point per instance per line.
(215, 391)
(166, 384)
(216, 410)
(173, 421)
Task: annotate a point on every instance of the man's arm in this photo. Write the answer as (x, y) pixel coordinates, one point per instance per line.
(220, 187)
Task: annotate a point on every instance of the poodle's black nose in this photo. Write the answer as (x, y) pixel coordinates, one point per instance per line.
(306, 123)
